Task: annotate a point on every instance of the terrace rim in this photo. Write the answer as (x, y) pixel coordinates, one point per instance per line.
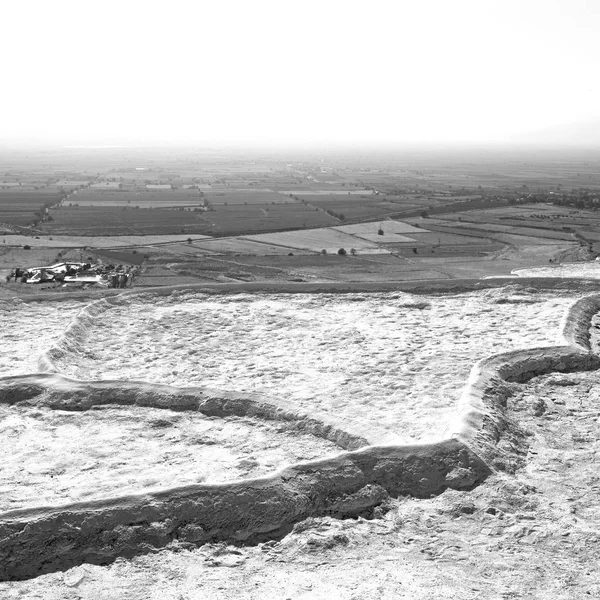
(49, 538)
(430, 286)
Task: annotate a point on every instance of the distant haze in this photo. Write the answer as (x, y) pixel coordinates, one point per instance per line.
(280, 72)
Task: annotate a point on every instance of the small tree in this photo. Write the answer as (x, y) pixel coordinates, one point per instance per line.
(353, 251)
(189, 240)
(342, 252)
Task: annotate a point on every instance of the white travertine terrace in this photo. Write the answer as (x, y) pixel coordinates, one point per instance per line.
(43, 539)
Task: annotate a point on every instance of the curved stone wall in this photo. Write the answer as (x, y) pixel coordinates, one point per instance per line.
(58, 392)
(480, 420)
(45, 539)
(42, 540)
(575, 328)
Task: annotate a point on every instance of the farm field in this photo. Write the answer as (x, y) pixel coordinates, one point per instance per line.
(172, 251)
(81, 241)
(389, 227)
(395, 362)
(157, 275)
(364, 271)
(367, 209)
(330, 192)
(494, 228)
(240, 193)
(248, 196)
(439, 254)
(510, 236)
(241, 245)
(119, 256)
(316, 240)
(143, 199)
(362, 267)
(18, 207)
(328, 267)
(317, 260)
(305, 268)
(591, 235)
(222, 220)
(529, 216)
(69, 184)
(11, 257)
(466, 267)
(439, 238)
(54, 456)
(231, 247)
(532, 240)
(108, 221)
(241, 220)
(359, 268)
(365, 240)
(216, 269)
(547, 217)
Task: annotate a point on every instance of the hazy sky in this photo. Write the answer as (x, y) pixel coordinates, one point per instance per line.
(302, 71)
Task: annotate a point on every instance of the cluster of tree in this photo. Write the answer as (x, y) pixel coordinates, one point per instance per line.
(341, 252)
(335, 215)
(578, 198)
(43, 214)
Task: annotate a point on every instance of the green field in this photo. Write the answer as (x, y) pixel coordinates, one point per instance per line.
(244, 197)
(18, 207)
(143, 199)
(114, 221)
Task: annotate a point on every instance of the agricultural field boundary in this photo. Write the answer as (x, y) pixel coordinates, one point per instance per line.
(45, 539)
